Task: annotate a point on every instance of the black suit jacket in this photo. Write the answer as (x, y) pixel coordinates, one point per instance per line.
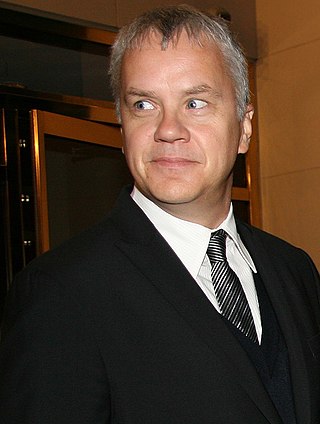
(111, 328)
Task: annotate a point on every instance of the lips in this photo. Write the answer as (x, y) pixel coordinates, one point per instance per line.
(173, 162)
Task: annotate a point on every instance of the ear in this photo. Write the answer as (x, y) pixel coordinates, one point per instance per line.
(246, 130)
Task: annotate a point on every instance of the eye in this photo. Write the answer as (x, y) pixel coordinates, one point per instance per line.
(143, 105)
(196, 104)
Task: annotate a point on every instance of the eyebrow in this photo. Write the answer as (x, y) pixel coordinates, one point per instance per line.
(198, 89)
(203, 88)
(135, 92)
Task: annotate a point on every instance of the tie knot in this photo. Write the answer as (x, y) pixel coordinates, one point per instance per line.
(217, 247)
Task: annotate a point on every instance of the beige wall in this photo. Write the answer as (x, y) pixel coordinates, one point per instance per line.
(288, 95)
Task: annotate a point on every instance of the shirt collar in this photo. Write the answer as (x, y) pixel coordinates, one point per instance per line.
(189, 240)
(229, 225)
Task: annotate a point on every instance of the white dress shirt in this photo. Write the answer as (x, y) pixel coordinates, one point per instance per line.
(190, 242)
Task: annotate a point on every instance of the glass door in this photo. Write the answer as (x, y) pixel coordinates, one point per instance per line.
(79, 170)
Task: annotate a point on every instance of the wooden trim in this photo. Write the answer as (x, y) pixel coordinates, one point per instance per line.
(79, 107)
(41, 197)
(252, 163)
(3, 140)
(41, 29)
(240, 194)
(77, 129)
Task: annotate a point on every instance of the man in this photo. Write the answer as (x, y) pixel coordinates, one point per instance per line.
(126, 323)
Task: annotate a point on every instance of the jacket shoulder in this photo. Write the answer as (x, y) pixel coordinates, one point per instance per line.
(279, 250)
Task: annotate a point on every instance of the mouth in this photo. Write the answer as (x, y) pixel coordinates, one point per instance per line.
(173, 162)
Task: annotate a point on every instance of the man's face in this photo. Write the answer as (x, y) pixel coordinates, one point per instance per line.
(180, 126)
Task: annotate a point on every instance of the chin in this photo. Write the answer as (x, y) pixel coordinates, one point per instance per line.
(173, 195)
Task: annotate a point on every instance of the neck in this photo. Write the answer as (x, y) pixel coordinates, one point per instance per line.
(207, 214)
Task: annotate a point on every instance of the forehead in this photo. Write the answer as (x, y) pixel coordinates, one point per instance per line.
(183, 58)
(180, 40)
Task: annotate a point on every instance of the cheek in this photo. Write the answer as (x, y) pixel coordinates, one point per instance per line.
(220, 149)
(135, 150)
(138, 141)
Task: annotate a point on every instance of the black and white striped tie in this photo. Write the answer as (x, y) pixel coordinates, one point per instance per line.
(228, 289)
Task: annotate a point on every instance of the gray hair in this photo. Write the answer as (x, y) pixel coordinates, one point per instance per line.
(169, 22)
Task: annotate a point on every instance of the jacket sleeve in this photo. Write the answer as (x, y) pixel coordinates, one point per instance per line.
(51, 370)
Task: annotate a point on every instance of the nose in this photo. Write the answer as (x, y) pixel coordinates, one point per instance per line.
(171, 128)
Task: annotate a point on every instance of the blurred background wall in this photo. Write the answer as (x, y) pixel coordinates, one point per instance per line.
(283, 37)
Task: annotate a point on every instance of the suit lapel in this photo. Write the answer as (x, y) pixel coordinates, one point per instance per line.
(150, 253)
(275, 280)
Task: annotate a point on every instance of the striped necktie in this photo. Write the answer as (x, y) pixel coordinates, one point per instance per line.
(228, 289)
